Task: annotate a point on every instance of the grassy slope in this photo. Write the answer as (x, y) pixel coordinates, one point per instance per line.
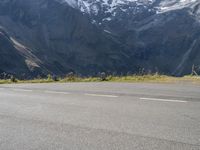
(134, 78)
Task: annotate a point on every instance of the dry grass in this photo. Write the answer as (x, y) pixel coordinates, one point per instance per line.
(133, 78)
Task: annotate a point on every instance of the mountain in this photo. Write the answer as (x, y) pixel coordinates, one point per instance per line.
(59, 37)
(40, 37)
(161, 35)
(107, 10)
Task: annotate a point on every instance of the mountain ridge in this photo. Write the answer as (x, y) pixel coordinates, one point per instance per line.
(53, 37)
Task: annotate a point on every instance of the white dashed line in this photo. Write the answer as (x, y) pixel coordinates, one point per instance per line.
(22, 90)
(164, 100)
(55, 92)
(99, 95)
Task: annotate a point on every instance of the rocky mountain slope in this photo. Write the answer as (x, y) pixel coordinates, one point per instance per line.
(160, 35)
(59, 37)
(39, 37)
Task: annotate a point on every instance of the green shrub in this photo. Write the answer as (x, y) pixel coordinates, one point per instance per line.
(103, 76)
(71, 77)
(13, 79)
(49, 77)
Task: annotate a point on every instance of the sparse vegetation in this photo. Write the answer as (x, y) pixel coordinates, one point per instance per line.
(13, 79)
(129, 78)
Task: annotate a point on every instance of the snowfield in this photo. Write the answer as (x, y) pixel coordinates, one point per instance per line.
(108, 9)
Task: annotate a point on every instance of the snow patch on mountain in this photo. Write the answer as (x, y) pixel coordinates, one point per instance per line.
(93, 6)
(169, 5)
(106, 10)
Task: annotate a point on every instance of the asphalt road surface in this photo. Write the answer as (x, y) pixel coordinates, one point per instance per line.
(100, 116)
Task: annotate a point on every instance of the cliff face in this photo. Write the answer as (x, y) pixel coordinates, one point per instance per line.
(159, 35)
(39, 37)
(167, 42)
(18, 60)
(60, 38)
(9, 55)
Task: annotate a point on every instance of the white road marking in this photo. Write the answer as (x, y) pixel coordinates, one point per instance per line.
(22, 90)
(164, 100)
(1, 88)
(55, 92)
(100, 95)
